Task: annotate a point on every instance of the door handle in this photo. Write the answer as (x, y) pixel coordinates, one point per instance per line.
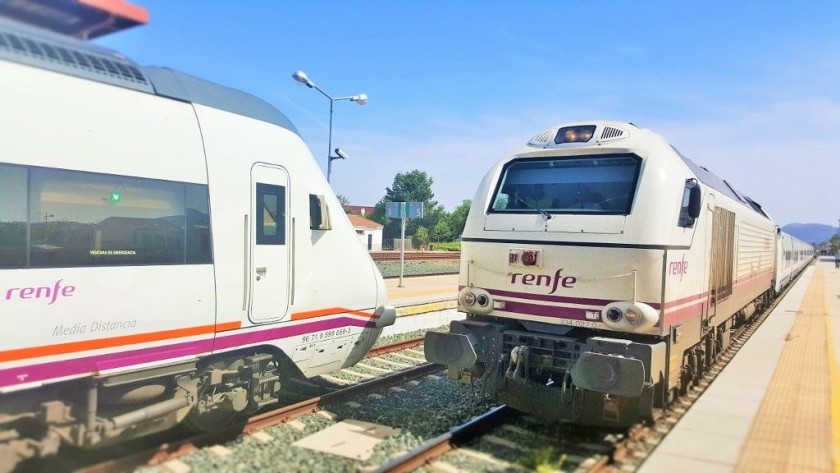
(261, 272)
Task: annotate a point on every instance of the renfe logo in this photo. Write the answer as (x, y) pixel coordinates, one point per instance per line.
(42, 292)
(678, 267)
(544, 280)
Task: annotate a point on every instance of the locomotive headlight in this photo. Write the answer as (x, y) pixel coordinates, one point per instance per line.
(475, 301)
(628, 316)
(614, 314)
(632, 315)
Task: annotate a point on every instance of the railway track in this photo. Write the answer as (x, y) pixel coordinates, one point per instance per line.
(177, 448)
(497, 440)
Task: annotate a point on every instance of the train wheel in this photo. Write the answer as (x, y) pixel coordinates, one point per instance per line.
(212, 422)
(208, 417)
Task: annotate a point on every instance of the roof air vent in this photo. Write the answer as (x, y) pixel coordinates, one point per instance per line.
(75, 61)
(542, 139)
(611, 133)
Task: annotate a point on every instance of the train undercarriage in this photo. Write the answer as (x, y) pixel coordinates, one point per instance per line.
(206, 395)
(583, 376)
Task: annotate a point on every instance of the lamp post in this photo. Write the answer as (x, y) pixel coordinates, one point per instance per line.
(361, 99)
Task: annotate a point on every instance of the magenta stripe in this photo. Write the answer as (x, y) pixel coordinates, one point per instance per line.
(560, 299)
(685, 300)
(92, 364)
(544, 297)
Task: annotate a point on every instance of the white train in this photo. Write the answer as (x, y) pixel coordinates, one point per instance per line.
(169, 251)
(602, 272)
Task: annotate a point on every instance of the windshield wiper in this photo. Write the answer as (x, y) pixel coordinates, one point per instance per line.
(532, 207)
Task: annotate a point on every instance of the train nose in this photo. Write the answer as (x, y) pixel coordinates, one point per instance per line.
(450, 349)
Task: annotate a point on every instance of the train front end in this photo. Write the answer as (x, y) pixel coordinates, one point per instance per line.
(562, 277)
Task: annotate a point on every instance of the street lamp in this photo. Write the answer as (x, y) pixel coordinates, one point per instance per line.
(361, 99)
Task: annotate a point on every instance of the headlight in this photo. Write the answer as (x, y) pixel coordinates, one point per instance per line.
(627, 316)
(614, 314)
(475, 300)
(632, 315)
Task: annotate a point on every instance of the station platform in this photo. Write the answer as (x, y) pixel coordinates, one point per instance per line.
(776, 406)
(422, 302)
(418, 290)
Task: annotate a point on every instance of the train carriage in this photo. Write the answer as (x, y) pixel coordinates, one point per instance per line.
(601, 273)
(169, 251)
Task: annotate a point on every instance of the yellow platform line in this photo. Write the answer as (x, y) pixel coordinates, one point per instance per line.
(834, 375)
(792, 430)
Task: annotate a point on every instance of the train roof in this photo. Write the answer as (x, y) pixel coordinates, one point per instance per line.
(721, 185)
(44, 49)
(604, 130)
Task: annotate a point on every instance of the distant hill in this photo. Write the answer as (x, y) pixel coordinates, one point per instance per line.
(810, 232)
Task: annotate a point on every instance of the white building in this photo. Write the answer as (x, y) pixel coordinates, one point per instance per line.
(368, 232)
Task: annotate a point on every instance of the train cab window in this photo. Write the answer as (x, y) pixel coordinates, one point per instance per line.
(74, 218)
(13, 221)
(271, 214)
(592, 185)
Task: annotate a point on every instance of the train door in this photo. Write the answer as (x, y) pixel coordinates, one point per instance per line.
(269, 265)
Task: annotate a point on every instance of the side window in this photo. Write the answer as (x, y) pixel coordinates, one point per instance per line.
(13, 221)
(685, 219)
(59, 218)
(199, 244)
(85, 219)
(271, 214)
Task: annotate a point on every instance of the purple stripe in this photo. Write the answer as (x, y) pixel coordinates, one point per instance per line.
(92, 364)
(560, 299)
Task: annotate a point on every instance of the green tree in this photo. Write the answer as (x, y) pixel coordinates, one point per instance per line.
(413, 186)
(420, 239)
(835, 244)
(459, 218)
(442, 231)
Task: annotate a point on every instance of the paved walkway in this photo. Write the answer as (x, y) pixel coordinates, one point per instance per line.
(422, 289)
(776, 406)
(429, 300)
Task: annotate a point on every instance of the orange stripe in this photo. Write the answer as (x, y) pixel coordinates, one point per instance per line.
(330, 311)
(49, 350)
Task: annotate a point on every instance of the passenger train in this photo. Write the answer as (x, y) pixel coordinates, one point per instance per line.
(169, 251)
(602, 272)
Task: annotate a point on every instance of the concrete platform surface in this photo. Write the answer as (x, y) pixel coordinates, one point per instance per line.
(422, 289)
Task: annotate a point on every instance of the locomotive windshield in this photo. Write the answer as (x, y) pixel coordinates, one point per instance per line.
(602, 184)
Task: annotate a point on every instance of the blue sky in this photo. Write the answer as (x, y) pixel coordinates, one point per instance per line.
(750, 90)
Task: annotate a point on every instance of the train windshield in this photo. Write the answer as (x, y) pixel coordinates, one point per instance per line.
(602, 184)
